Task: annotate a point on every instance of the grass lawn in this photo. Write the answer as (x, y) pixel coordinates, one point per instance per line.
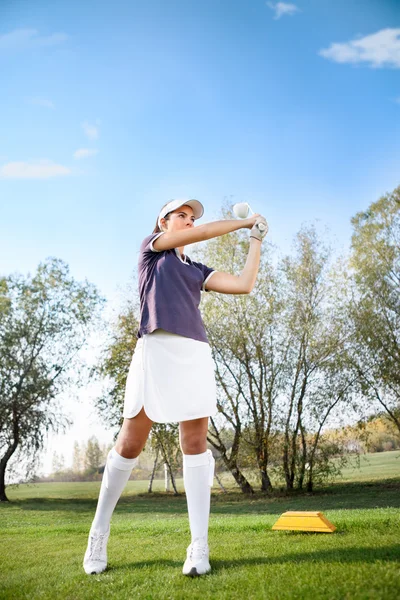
(43, 534)
(374, 466)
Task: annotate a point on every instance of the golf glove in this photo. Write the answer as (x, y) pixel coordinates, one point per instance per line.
(259, 229)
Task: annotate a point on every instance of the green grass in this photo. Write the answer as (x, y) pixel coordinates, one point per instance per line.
(374, 466)
(43, 534)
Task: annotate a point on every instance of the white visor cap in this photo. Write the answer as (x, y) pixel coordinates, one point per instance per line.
(195, 205)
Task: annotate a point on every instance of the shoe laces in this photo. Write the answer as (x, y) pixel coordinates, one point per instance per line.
(96, 546)
(198, 549)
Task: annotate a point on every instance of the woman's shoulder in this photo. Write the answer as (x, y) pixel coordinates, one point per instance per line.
(147, 242)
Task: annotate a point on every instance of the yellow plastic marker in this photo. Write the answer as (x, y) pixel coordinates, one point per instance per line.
(304, 521)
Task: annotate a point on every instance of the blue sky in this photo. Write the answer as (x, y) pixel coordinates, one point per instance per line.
(208, 99)
(110, 109)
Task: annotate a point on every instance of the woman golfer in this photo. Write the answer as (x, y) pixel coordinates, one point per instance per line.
(171, 377)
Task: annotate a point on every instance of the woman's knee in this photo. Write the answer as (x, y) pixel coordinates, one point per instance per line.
(193, 436)
(193, 444)
(133, 436)
(128, 448)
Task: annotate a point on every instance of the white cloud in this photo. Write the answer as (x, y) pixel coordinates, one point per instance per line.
(44, 102)
(39, 169)
(27, 39)
(91, 131)
(380, 49)
(85, 152)
(283, 8)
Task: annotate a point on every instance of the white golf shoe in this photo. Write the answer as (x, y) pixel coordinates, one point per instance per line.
(197, 562)
(95, 560)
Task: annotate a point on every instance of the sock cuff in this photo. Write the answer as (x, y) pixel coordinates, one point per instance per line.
(121, 463)
(197, 460)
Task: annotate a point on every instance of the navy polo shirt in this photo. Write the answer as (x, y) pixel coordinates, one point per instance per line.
(170, 291)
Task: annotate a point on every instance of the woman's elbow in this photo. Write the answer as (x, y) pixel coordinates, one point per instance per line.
(247, 289)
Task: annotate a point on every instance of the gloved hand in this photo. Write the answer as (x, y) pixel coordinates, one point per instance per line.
(259, 229)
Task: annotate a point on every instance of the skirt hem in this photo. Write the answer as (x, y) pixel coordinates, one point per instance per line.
(200, 416)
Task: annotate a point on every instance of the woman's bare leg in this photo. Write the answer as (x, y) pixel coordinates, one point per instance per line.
(133, 435)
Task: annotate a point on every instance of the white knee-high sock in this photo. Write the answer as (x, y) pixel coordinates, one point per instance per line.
(116, 474)
(198, 475)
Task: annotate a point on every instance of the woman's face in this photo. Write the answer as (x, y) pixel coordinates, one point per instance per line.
(181, 218)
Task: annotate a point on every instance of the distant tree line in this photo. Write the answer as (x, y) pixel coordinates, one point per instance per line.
(87, 461)
(89, 458)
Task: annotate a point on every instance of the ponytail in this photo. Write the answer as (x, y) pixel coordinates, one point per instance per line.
(157, 228)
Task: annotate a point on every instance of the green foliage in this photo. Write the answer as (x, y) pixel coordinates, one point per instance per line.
(375, 310)
(114, 365)
(94, 456)
(45, 321)
(58, 462)
(375, 244)
(379, 434)
(77, 460)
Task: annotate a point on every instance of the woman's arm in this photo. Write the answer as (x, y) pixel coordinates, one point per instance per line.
(176, 239)
(225, 283)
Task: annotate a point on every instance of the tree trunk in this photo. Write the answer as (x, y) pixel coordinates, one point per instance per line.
(266, 485)
(285, 462)
(240, 478)
(310, 483)
(172, 478)
(262, 462)
(231, 464)
(289, 477)
(219, 482)
(302, 469)
(150, 488)
(3, 465)
(231, 461)
(392, 413)
(166, 478)
(3, 496)
(236, 473)
(167, 461)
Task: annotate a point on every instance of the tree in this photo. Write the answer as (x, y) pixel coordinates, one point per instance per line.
(45, 320)
(317, 377)
(164, 440)
(242, 342)
(375, 308)
(77, 460)
(58, 462)
(94, 455)
(247, 338)
(277, 355)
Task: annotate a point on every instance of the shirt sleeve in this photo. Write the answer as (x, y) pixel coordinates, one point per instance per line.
(207, 273)
(147, 244)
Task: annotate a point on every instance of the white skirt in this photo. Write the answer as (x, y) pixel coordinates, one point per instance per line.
(172, 377)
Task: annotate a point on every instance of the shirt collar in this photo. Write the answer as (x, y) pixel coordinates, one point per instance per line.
(187, 260)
